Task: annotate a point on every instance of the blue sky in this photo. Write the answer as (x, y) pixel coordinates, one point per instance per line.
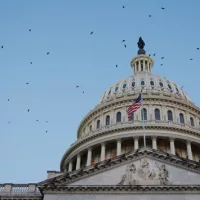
(77, 58)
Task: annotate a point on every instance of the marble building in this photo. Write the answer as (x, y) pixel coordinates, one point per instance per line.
(109, 160)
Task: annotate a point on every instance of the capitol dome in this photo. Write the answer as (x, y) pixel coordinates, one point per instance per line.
(147, 83)
(170, 119)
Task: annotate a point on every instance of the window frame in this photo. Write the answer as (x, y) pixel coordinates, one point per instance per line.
(107, 120)
(157, 114)
(181, 118)
(144, 114)
(118, 116)
(169, 111)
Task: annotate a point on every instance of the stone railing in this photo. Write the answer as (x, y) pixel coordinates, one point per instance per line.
(136, 123)
(29, 189)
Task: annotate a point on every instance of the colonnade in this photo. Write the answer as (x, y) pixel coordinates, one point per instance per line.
(119, 150)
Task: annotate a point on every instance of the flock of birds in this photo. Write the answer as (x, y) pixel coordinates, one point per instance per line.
(27, 83)
(91, 33)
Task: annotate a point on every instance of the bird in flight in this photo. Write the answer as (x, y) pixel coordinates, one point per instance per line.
(28, 110)
(46, 121)
(37, 120)
(31, 63)
(2, 46)
(77, 86)
(149, 55)
(46, 131)
(123, 40)
(9, 122)
(91, 33)
(125, 46)
(154, 54)
(48, 53)
(116, 66)
(191, 59)
(123, 6)
(198, 48)
(162, 58)
(163, 8)
(161, 64)
(27, 83)
(8, 99)
(83, 92)
(29, 30)
(149, 15)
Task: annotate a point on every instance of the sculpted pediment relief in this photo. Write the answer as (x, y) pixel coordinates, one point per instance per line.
(146, 173)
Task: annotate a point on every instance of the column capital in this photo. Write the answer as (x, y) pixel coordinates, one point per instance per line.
(172, 139)
(78, 154)
(103, 144)
(154, 137)
(89, 148)
(188, 142)
(135, 137)
(119, 140)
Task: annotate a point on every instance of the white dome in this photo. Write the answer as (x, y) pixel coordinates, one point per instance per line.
(148, 83)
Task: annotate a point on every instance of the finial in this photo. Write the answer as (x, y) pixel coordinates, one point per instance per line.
(141, 45)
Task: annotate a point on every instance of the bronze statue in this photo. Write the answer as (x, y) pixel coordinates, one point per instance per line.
(141, 43)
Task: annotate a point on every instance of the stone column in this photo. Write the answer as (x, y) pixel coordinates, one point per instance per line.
(136, 144)
(139, 62)
(103, 151)
(89, 157)
(78, 162)
(172, 148)
(119, 147)
(189, 150)
(70, 166)
(154, 142)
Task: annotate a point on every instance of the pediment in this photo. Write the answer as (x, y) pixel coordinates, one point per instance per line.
(143, 171)
(144, 167)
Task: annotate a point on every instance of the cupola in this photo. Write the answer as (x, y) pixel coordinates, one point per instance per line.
(142, 62)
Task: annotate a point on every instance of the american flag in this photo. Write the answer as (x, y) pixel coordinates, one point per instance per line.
(134, 107)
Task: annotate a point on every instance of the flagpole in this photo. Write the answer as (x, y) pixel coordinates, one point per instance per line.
(143, 122)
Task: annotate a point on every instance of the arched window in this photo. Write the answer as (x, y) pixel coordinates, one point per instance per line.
(151, 83)
(98, 124)
(132, 117)
(144, 114)
(118, 117)
(90, 127)
(170, 115)
(124, 85)
(157, 114)
(169, 86)
(161, 84)
(181, 116)
(191, 121)
(107, 120)
(142, 83)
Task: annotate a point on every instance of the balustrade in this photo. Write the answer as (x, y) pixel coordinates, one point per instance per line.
(22, 189)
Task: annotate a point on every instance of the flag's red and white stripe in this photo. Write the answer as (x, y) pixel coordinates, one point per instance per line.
(134, 107)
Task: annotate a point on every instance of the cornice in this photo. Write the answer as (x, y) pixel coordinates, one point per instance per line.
(113, 189)
(127, 100)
